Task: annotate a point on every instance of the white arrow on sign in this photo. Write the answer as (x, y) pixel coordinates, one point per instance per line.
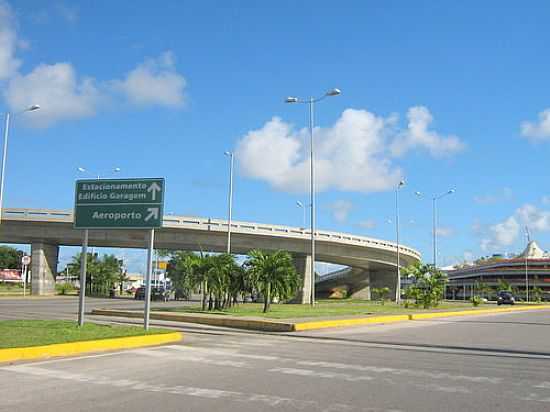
(153, 189)
(153, 213)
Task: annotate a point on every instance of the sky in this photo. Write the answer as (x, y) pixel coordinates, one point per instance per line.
(441, 94)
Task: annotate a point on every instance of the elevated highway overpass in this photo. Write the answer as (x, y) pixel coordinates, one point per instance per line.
(372, 261)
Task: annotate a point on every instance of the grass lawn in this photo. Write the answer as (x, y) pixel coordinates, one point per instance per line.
(20, 333)
(324, 308)
(12, 289)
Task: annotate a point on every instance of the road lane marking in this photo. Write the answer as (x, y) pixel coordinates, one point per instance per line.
(327, 375)
(273, 401)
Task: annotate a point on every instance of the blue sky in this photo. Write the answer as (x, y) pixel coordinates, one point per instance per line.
(443, 94)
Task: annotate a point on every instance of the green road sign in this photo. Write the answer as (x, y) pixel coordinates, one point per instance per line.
(119, 203)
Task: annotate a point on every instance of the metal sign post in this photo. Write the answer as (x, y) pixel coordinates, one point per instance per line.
(25, 261)
(118, 204)
(148, 279)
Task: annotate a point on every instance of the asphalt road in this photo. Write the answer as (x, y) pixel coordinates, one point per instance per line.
(486, 363)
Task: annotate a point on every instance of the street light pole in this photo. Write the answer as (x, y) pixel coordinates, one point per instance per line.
(311, 102)
(230, 201)
(5, 152)
(398, 288)
(527, 264)
(301, 205)
(435, 221)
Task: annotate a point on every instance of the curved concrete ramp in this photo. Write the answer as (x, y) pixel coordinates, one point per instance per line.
(45, 230)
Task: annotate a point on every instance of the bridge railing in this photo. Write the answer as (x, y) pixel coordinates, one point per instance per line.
(210, 224)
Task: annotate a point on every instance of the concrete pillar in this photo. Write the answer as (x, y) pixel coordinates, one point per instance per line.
(361, 286)
(303, 267)
(381, 279)
(44, 268)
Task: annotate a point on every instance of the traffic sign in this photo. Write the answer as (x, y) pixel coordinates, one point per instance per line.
(119, 203)
(26, 260)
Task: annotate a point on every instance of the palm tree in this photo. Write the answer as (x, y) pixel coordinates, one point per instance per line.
(273, 275)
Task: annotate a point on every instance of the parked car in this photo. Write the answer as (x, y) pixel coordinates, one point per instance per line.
(156, 293)
(505, 297)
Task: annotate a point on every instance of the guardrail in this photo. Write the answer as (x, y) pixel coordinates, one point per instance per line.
(209, 224)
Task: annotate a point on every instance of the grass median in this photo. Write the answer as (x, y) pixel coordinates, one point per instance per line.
(324, 309)
(27, 333)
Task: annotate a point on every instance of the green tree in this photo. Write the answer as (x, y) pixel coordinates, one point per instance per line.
(10, 258)
(273, 275)
(428, 284)
(537, 294)
(504, 285)
(101, 274)
(182, 271)
(381, 294)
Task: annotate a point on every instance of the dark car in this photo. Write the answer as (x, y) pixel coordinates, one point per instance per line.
(505, 298)
(156, 293)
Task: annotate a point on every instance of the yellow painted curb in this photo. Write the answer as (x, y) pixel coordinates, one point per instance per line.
(420, 316)
(74, 348)
(323, 324)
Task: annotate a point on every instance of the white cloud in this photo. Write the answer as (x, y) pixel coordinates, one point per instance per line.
(8, 42)
(539, 130)
(57, 89)
(64, 95)
(154, 82)
(444, 231)
(501, 234)
(534, 218)
(349, 155)
(506, 233)
(68, 13)
(367, 224)
(355, 154)
(419, 135)
(340, 210)
(545, 200)
(505, 194)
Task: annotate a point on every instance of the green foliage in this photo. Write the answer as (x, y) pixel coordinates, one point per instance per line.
(476, 300)
(537, 294)
(380, 294)
(10, 258)
(503, 285)
(428, 284)
(273, 275)
(64, 288)
(102, 274)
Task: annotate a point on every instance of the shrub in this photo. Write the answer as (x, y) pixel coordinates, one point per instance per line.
(64, 288)
(476, 300)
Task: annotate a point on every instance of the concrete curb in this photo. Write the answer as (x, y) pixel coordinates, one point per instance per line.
(212, 320)
(74, 348)
(274, 326)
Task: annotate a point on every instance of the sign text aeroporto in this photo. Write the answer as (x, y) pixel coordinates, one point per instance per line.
(119, 203)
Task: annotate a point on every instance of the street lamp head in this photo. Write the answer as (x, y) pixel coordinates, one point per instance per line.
(228, 153)
(299, 204)
(33, 108)
(334, 92)
(81, 169)
(401, 183)
(451, 191)
(419, 194)
(116, 169)
(291, 99)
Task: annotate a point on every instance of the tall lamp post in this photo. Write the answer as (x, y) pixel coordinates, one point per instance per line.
(398, 288)
(32, 108)
(230, 200)
(301, 205)
(84, 170)
(528, 236)
(434, 217)
(311, 103)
